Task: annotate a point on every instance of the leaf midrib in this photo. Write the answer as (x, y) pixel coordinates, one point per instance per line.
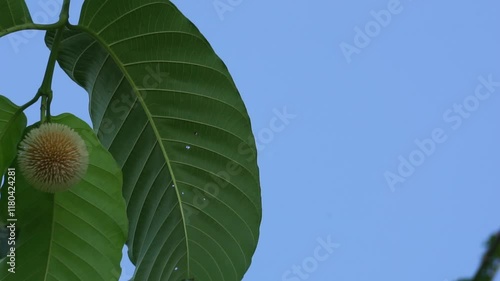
(96, 37)
(51, 237)
(16, 28)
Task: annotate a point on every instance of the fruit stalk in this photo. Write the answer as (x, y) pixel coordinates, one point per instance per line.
(45, 90)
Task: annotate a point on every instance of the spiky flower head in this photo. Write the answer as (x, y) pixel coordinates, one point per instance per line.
(53, 157)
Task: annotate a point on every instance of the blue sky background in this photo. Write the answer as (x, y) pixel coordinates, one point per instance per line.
(323, 175)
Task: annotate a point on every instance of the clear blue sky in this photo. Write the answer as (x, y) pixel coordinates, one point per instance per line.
(358, 106)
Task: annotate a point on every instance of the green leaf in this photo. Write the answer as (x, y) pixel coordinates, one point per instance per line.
(77, 235)
(166, 107)
(490, 262)
(12, 125)
(14, 16)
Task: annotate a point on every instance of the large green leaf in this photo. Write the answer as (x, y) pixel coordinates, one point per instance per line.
(12, 125)
(14, 15)
(77, 235)
(166, 107)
